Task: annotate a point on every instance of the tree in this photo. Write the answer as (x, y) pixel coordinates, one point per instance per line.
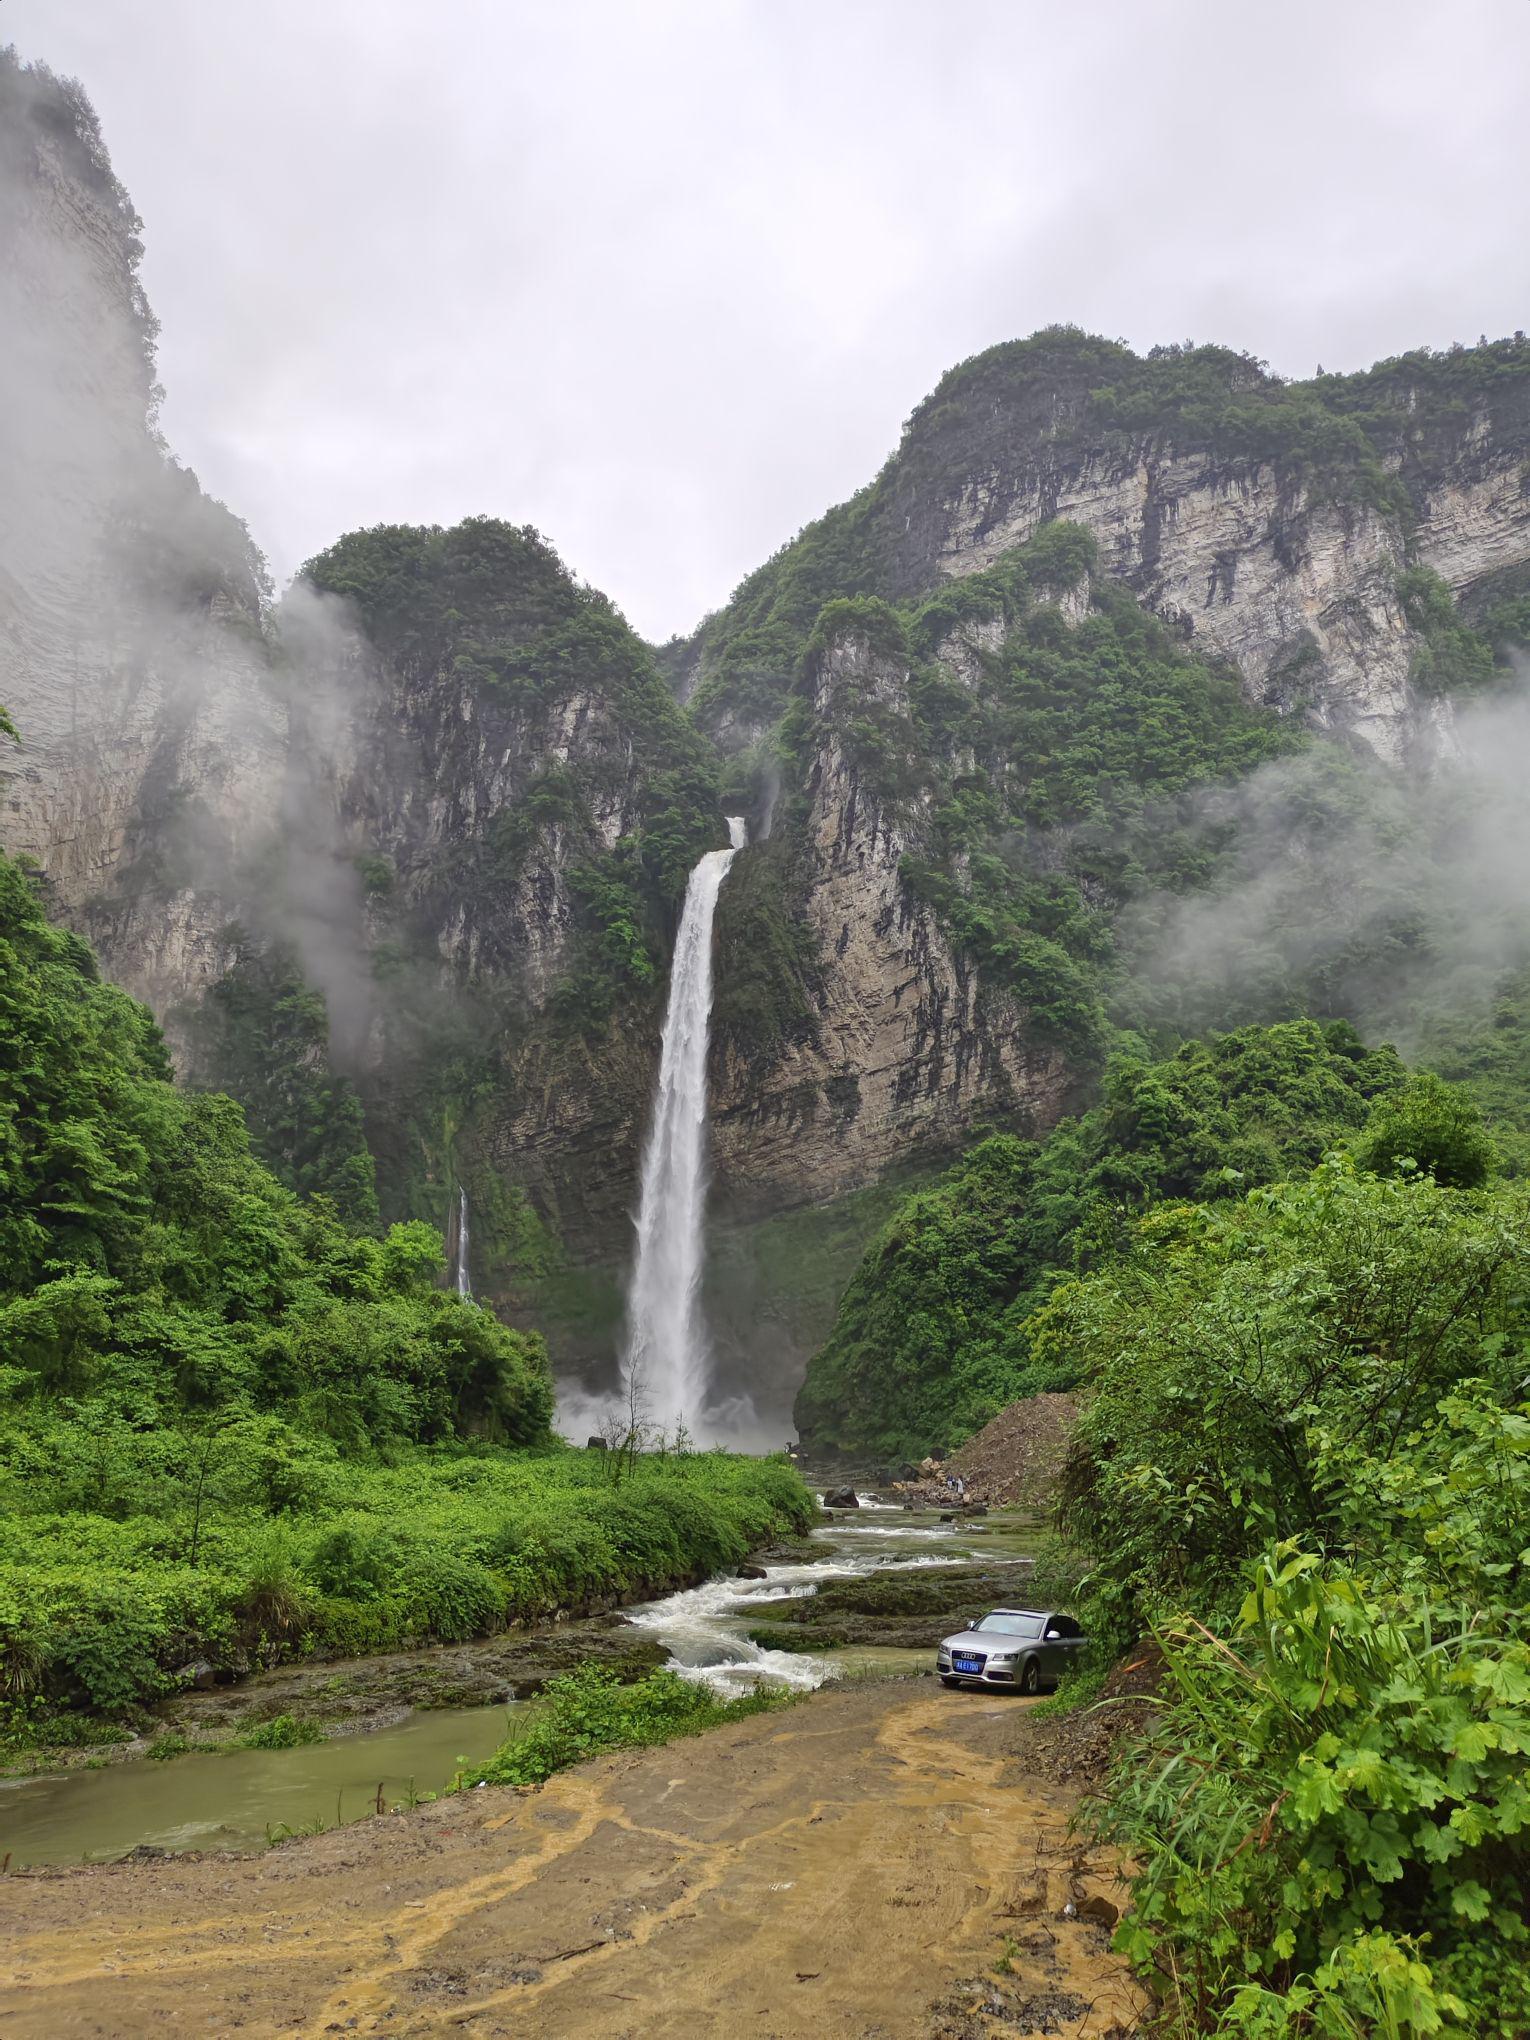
(1434, 1126)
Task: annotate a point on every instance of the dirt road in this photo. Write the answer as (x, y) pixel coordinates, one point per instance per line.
(853, 1867)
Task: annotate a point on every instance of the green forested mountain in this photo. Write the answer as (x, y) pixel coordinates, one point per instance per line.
(1375, 439)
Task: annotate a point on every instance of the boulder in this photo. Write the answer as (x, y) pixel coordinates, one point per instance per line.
(199, 1675)
(594, 1444)
(841, 1498)
(752, 1572)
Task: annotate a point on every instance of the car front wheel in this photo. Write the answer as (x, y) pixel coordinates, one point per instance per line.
(1030, 1678)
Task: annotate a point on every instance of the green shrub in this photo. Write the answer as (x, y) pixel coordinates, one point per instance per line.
(280, 1732)
(588, 1711)
(934, 1331)
(1330, 1818)
(445, 1543)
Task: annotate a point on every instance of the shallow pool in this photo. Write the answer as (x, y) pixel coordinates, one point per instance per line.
(238, 1799)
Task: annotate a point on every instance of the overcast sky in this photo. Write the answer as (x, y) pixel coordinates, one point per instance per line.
(664, 277)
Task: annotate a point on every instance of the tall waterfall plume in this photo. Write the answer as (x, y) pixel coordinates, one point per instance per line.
(665, 1362)
(464, 1279)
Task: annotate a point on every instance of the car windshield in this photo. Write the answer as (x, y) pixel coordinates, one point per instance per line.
(1012, 1625)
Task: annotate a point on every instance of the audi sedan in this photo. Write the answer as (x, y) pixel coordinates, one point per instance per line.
(1021, 1648)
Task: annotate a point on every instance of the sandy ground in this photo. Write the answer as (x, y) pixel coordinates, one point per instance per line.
(855, 1866)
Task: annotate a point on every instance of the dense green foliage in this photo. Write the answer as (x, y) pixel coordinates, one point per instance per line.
(262, 1035)
(584, 1713)
(934, 1334)
(132, 1551)
(1485, 1046)
(232, 1427)
(1305, 1462)
(1339, 1304)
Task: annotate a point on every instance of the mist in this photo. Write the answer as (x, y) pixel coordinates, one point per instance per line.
(1351, 889)
(156, 692)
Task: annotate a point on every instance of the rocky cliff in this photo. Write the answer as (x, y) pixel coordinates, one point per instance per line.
(1268, 523)
(427, 823)
(131, 650)
(906, 1041)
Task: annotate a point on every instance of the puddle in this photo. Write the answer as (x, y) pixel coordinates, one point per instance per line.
(237, 1799)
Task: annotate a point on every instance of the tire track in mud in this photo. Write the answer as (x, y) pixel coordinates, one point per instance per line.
(839, 1869)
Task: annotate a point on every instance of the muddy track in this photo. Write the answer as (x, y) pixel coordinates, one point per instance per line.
(853, 1867)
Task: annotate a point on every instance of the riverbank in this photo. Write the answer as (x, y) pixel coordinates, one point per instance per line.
(391, 1728)
(104, 1619)
(859, 1864)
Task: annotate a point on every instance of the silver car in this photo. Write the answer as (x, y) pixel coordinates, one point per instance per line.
(1014, 1647)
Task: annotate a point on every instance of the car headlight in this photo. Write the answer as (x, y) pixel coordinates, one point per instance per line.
(1003, 1657)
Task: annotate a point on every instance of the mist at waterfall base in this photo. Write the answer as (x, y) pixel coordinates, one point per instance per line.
(666, 1369)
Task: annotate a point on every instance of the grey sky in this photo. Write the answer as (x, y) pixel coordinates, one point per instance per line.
(663, 278)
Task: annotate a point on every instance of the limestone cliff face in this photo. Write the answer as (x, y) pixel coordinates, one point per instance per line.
(1275, 567)
(1285, 562)
(907, 1043)
(430, 770)
(1299, 592)
(131, 650)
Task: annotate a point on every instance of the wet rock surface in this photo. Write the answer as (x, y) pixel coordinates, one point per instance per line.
(902, 1611)
(373, 1692)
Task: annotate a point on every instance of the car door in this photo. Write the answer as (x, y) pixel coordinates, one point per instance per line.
(1060, 1645)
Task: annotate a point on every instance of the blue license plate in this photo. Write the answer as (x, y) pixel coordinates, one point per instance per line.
(968, 1664)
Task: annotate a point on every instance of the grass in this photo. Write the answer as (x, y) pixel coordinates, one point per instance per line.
(99, 1614)
(586, 1713)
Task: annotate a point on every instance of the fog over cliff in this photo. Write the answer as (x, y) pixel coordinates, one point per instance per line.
(1399, 899)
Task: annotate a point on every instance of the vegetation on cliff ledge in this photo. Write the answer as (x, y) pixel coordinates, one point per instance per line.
(1368, 438)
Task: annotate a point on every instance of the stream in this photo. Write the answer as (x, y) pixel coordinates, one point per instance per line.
(243, 1798)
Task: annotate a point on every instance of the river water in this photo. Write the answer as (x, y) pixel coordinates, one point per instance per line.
(241, 1799)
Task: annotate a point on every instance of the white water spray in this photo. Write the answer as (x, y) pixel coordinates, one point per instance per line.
(666, 1356)
(464, 1280)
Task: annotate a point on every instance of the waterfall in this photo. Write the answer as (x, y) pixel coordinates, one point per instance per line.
(464, 1280)
(665, 1362)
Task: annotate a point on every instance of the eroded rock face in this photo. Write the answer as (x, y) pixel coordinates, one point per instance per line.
(1290, 578)
(1298, 590)
(908, 1040)
(1301, 596)
(131, 649)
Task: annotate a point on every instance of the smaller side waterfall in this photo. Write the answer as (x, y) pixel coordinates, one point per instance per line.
(464, 1279)
(666, 1356)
